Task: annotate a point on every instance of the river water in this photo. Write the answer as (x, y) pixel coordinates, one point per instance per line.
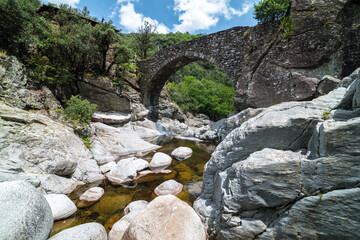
(110, 208)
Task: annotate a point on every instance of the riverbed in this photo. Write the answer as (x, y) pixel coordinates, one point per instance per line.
(111, 206)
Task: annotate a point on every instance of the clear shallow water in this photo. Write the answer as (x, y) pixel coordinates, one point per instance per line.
(111, 206)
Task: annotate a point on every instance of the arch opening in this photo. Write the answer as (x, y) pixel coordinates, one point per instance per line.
(167, 72)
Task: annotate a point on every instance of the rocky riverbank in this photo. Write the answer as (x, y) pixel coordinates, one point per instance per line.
(288, 172)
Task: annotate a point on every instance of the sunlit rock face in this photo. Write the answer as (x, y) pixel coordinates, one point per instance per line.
(288, 172)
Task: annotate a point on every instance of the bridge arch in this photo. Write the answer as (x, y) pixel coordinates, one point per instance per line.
(224, 49)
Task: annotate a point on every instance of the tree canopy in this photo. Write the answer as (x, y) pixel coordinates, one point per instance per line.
(271, 10)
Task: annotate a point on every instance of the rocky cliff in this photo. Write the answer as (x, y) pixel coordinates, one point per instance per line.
(291, 172)
(324, 40)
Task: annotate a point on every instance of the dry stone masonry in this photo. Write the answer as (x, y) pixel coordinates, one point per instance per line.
(265, 68)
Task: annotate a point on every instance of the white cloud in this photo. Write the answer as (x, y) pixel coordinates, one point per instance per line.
(132, 20)
(202, 14)
(71, 3)
(125, 1)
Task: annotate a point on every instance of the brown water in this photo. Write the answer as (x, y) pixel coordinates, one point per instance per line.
(110, 208)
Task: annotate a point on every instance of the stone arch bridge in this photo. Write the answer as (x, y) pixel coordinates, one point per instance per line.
(224, 49)
(265, 67)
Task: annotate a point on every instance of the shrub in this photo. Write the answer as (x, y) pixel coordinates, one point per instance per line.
(287, 26)
(3, 53)
(79, 110)
(271, 10)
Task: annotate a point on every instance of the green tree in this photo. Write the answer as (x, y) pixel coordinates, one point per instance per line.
(271, 10)
(203, 96)
(143, 40)
(16, 17)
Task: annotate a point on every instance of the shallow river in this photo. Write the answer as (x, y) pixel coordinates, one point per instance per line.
(110, 208)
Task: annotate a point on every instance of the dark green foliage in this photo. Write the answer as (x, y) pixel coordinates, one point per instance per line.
(79, 110)
(16, 24)
(203, 96)
(271, 10)
(202, 70)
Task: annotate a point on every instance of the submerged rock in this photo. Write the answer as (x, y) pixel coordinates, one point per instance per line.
(93, 231)
(61, 206)
(182, 153)
(169, 187)
(25, 213)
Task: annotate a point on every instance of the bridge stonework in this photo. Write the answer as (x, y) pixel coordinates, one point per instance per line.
(265, 67)
(224, 49)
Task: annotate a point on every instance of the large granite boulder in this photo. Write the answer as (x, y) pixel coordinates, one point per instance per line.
(24, 138)
(93, 231)
(166, 217)
(281, 182)
(110, 143)
(25, 213)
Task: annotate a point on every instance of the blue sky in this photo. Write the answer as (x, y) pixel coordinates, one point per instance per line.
(194, 16)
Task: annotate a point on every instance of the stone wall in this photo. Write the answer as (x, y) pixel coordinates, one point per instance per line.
(266, 68)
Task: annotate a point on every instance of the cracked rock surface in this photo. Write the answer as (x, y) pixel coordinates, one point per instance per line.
(291, 172)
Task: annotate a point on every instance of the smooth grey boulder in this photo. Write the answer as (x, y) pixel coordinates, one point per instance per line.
(59, 185)
(93, 194)
(93, 231)
(283, 126)
(107, 167)
(126, 170)
(169, 187)
(160, 161)
(119, 143)
(166, 217)
(145, 129)
(327, 84)
(61, 206)
(25, 213)
(182, 153)
(135, 206)
(174, 127)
